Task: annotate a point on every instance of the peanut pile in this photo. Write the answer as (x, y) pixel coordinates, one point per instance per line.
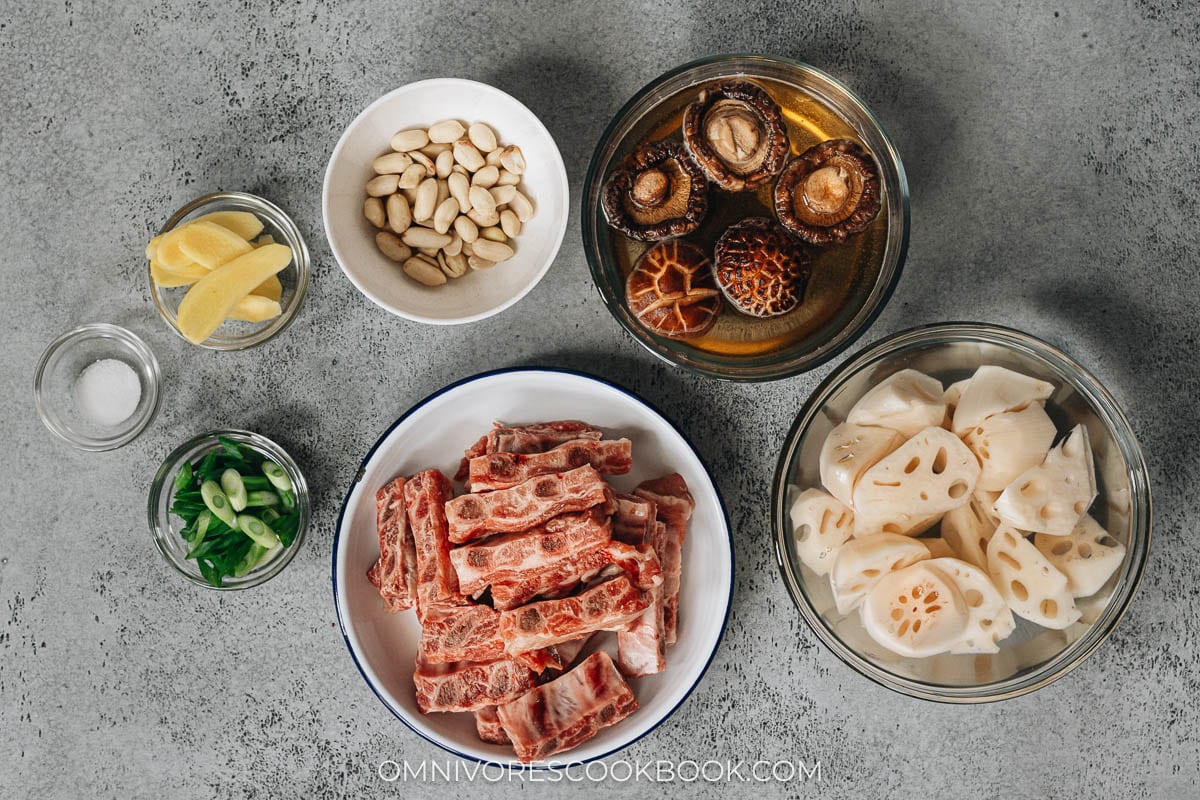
(447, 199)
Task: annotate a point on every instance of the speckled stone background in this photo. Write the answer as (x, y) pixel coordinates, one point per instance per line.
(1053, 157)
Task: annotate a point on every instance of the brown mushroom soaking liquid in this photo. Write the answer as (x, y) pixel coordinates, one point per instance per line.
(840, 273)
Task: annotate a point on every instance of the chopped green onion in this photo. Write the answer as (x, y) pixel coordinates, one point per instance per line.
(259, 499)
(277, 476)
(218, 503)
(269, 516)
(288, 499)
(183, 477)
(257, 530)
(231, 483)
(231, 448)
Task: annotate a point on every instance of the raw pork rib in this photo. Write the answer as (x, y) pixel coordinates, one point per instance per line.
(634, 519)
(526, 439)
(642, 650)
(508, 557)
(531, 503)
(462, 633)
(561, 578)
(607, 607)
(395, 573)
(487, 723)
(674, 509)
(467, 687)
(505, 470)
(569, 710)
(425, 495)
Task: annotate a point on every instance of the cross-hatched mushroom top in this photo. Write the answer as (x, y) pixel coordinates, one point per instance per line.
(760, 268)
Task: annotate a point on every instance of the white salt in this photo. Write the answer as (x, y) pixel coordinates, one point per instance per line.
(107, 391)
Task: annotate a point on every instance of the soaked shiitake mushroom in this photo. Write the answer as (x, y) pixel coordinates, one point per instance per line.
(828, 193)
(671, 290)
(657, 192)
(760, 268)
(735, 132)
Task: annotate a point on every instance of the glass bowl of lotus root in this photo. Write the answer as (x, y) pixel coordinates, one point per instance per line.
(1058, 597)
(721, 164)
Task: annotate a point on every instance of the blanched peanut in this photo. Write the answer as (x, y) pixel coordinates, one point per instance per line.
(434, 150)
(492, 159)
(492, 251)
(421, 270)
(443, 191)
(426, 200)
(475, 262)
(466, 229)
(466, 154)
(503, 195)
(373, 211)
(444, 164)
(412, 177)
(513, 160)
(446, 131)
(455, 247)
(382, 185)
(412, 139)
(493, 234)
(483, 220)
(424, 237)
(425, 161)
(391, 164)
(445, 214)
(399, 215)
(482, 200)
(390, 245)
(483, 137)
(460, 188)
(453, 266)
(507, 178)
(486, 177)
(509, 223)
(521, 206)
(429, 252)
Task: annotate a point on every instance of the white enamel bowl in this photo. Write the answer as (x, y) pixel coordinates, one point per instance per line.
(434, 434)
(478, 294)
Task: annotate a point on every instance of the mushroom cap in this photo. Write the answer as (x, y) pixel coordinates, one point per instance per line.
(828, 193)
(760, 268)
(671, 290)
(734, 131)
(656, 192)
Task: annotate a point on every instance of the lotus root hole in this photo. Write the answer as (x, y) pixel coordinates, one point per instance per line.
(1047, 511)
(983, 543)
(931, 598)
(940, 460)
(974, 598)
(916, 592)
(1107, 541)
(903, 599)
(803, 532)
(903, 628)
(824, 526)
(1085, 550)
(917, 626)
(897, 614)
(1061, 548)
(891, 527)
(924, 496)
(985, 623)
(1019, 591)
(1028, 488)
(1079, 507)
(958, 489)
(870, 573)
(1009, 560)
(912, 465)
(1049, 608)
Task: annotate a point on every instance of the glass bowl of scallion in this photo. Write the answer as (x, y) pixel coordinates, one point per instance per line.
(228, 509)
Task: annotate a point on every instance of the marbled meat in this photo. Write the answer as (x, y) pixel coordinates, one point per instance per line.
(608, 607)
(567, 711)
(468, 686)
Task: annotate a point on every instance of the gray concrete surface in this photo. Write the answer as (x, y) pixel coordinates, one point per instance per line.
(1052, 151)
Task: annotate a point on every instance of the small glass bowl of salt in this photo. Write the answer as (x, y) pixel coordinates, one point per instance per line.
(97, 387)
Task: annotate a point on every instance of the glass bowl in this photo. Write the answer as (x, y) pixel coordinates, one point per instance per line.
(1033, 656)
(233, 334)
(165, 526)
(54, 385)
(850, 282)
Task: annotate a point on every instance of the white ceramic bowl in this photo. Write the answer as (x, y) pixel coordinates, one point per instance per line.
(478, 294)
(434, 434)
